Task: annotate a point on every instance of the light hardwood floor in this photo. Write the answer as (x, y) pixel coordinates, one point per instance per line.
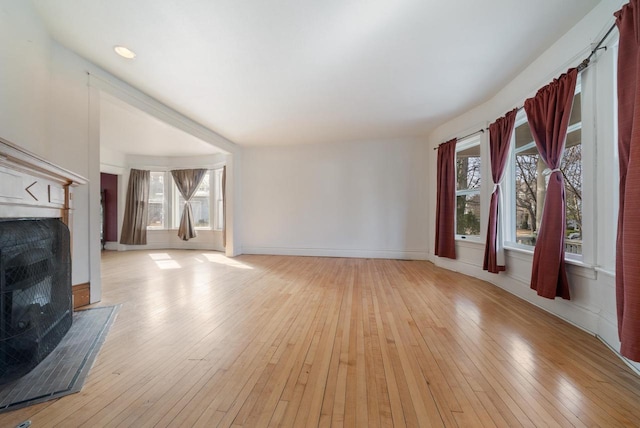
(202, 340)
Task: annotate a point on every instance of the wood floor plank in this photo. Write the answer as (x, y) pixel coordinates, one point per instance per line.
(261, 341)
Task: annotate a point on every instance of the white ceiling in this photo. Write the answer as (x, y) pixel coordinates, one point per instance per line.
(301, 71)
(126, 129)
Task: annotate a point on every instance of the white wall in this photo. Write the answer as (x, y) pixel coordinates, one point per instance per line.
(592, 304)
(364, 199)
(25, 75)
(70, 146)
(44, 108)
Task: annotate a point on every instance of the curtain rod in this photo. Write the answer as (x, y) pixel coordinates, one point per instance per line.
(586, 61)
(584, 64)
(462, 138)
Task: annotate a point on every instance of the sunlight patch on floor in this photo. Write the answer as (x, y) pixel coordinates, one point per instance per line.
(164, 261)
(224, 260)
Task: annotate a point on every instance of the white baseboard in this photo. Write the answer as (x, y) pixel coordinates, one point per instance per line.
(111, 246)
(635, 367)
(334, 252)
(171, 246)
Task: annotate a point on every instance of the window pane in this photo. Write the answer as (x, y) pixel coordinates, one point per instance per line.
(468, 168)
(468, 187)
(529, 187)
(571, 167)
(468, 214)
(156, 200)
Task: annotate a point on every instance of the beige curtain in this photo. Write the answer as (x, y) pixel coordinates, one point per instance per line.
(134, 226)
(187, 181)
(224, 207)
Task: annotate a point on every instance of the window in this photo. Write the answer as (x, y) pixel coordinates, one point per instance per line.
(200, 204)
(156, 201)
(166, 202)
(468, 187)
(530, 178)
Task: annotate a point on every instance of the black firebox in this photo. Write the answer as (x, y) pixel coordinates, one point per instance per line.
(35, 292)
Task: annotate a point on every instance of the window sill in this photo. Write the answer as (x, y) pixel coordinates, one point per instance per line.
(467, 238)
(578, 267)
(175, 229)
(518, 249)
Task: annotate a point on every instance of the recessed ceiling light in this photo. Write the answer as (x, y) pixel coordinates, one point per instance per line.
(124, 52)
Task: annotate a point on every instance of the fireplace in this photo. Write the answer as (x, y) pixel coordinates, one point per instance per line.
(36, 304)
(35, 292)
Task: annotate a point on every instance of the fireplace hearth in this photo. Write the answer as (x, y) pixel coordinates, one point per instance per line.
(35, 292)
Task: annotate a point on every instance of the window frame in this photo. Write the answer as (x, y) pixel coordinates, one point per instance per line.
(461, 145)
(508, 201)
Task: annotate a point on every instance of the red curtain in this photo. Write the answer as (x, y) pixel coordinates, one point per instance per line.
(628, 239)
(446, 201)
(499, 143)
(548, 115)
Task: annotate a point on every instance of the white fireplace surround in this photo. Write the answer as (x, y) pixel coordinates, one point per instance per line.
(30, 186)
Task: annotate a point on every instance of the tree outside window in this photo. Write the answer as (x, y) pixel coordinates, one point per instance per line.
(468, 180)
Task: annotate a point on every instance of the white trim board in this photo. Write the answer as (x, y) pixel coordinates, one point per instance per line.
(335, 252)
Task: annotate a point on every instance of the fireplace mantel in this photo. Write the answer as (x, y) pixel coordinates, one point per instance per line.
(31, 186)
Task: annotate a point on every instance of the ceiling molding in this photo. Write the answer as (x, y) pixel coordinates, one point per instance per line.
(149, 105)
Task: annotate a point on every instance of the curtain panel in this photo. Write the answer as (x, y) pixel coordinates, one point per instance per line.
(548, 114)
(499, 144)
(446, 201)
(628, 235)
(187, 181)
(136, 211)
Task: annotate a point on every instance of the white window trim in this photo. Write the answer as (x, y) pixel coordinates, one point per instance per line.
(218, 216)
(475, 140)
